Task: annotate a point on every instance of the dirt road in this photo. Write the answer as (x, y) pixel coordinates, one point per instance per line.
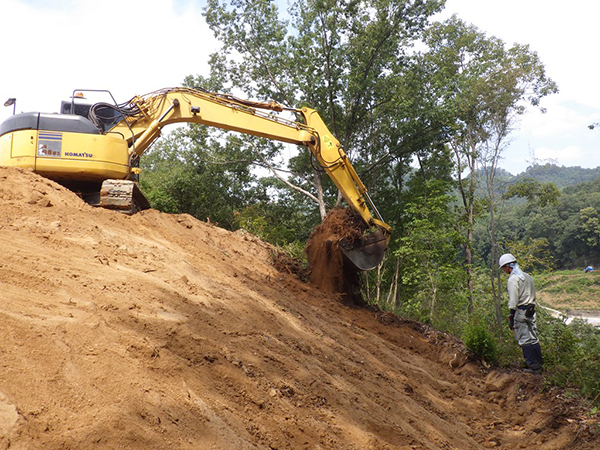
(159, 331)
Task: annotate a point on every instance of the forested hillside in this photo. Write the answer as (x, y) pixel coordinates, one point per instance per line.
(565, 231)
(561, 176)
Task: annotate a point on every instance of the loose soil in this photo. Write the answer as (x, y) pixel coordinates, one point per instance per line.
(159, 331)
(328, 269)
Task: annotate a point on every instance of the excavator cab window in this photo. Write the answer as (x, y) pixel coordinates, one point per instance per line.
(110, 116)
(83, 100)
(80, 109)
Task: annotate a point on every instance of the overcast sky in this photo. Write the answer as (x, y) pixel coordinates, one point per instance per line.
(52, 47)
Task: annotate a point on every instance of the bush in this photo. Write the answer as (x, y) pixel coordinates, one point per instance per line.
(480, 340)
(572, 356)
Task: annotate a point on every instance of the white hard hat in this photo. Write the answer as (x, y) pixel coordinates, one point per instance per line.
(506, 259)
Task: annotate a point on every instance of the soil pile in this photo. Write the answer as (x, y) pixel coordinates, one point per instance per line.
(159, 331)
(328, 269)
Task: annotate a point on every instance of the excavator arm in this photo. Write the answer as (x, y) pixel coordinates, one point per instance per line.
(143, 117)
(94, 149)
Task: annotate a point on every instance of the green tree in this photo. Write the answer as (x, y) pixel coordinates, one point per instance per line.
(346, 59)
(536, 193)
(430, 276)
(567, 223)
(532, 254)
(487, 88)
(589, 227)
(188, 175)
(429, 270)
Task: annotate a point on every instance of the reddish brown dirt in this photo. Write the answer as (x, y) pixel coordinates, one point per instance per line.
(328, 269)
(159, 331)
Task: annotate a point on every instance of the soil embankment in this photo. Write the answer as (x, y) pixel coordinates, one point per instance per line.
(160, 331)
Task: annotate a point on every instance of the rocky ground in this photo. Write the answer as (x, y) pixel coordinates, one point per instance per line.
(158, 331)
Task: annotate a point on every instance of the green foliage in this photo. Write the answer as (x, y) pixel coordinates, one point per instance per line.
(572, 356)
(537, 193)
(295, 250)
(589, 227)
(533, 255)
(478, 338)
(430, 279)
(251, 220)
(489, 82)
(571, 227)
(276, 222)
(183, 175)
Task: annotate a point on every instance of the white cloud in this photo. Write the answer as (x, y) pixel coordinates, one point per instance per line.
(128, 47)
(568, 154)
(566, 40)
(560, 119)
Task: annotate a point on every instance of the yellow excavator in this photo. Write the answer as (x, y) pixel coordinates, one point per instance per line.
(94, 149)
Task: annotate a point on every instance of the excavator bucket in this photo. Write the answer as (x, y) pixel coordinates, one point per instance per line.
(367, 252)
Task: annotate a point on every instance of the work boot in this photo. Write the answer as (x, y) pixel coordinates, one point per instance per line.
(531, 357)
(532, 371)
(537, 348)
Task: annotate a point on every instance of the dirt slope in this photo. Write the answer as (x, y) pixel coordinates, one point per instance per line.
(162, 332)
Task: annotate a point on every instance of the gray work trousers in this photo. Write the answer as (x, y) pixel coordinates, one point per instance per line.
(525, 329)
(527, 337)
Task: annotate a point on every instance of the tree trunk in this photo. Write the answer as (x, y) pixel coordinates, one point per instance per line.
(469, 258)
(493, 271)
(320, 194)
(391, 298)
(378, 283)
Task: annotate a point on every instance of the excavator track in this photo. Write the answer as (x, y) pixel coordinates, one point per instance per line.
(122, 195)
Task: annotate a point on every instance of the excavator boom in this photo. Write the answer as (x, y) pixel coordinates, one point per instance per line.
(176, 105)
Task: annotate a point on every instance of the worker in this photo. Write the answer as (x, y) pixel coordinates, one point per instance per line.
(521, 319)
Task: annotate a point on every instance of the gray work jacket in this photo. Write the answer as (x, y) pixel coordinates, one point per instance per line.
(520, 292)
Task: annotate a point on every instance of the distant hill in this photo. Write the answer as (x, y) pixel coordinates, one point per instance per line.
(561, 176)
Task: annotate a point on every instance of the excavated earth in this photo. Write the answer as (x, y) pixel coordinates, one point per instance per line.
(159, 331)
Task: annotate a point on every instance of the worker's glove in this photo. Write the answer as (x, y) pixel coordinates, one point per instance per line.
(530, 311)
(511, 319)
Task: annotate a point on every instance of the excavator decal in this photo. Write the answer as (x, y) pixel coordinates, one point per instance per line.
(49, 144)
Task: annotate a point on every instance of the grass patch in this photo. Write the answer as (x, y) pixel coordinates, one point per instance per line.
(569, 289)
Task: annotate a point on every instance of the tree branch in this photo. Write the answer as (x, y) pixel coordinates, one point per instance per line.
(286, 182)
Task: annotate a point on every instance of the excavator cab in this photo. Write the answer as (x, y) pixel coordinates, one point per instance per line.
(80, 106)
